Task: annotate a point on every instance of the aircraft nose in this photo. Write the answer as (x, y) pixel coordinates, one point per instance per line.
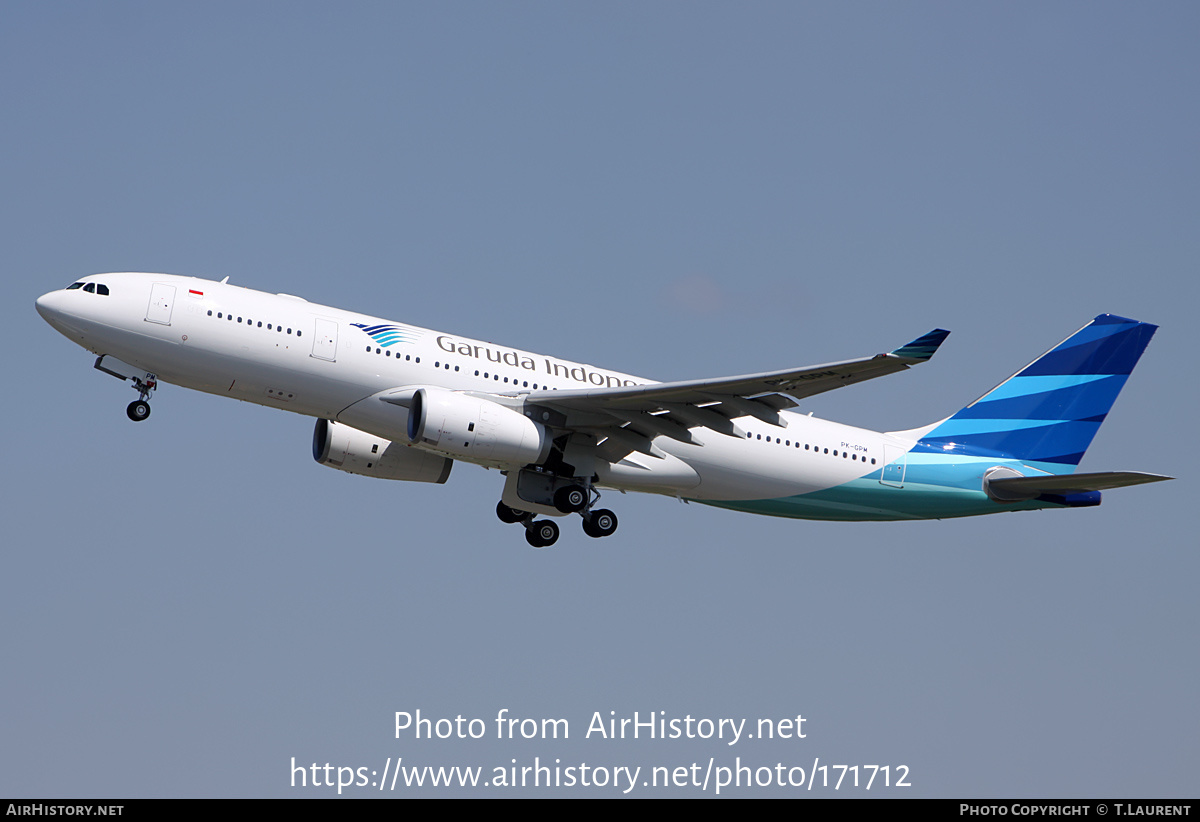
(50, 306)
(46, 305)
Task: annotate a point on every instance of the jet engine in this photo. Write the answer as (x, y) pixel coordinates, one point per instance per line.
(357, 452)
(474, 429)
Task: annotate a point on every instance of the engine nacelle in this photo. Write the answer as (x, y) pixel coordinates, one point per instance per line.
(357, 452)
(474, 429)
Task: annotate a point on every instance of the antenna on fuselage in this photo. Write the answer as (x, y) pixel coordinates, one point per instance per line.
(225, 280)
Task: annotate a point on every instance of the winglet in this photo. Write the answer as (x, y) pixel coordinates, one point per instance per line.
(922, 348)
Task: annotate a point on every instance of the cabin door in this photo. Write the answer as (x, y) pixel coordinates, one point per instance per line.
(325, 340)
(893, 468)
(162, 300)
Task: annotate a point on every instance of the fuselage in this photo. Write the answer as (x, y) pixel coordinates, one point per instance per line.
(315, 360)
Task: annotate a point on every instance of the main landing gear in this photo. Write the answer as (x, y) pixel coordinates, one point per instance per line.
(600, 523)
(543, 533)
(139, 409)
(540, 534)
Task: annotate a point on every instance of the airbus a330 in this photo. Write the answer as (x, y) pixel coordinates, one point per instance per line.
(401, 402)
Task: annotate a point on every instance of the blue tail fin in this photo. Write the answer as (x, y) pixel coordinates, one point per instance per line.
(1049, 411)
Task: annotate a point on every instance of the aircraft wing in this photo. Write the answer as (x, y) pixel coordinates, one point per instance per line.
(635, 415)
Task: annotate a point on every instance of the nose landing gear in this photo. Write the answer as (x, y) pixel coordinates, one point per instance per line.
(139, 409)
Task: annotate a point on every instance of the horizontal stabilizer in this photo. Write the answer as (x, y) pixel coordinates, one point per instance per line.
(1019, 488)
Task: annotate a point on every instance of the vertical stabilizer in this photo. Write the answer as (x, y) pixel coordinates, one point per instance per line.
(1049, 411)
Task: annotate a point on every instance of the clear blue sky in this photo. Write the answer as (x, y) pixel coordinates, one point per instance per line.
(672, 190)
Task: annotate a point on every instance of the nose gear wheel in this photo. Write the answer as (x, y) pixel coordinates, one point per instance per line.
(139, 409)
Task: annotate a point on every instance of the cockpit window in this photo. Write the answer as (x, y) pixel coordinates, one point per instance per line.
(90, 288)
(73, 286)
(102, 289)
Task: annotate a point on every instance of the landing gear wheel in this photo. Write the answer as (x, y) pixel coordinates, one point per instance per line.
(570, 498)
(509, 515)
(138, 410)
(542, 534)
(600, 523)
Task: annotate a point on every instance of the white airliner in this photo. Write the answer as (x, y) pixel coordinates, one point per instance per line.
(401, 402)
